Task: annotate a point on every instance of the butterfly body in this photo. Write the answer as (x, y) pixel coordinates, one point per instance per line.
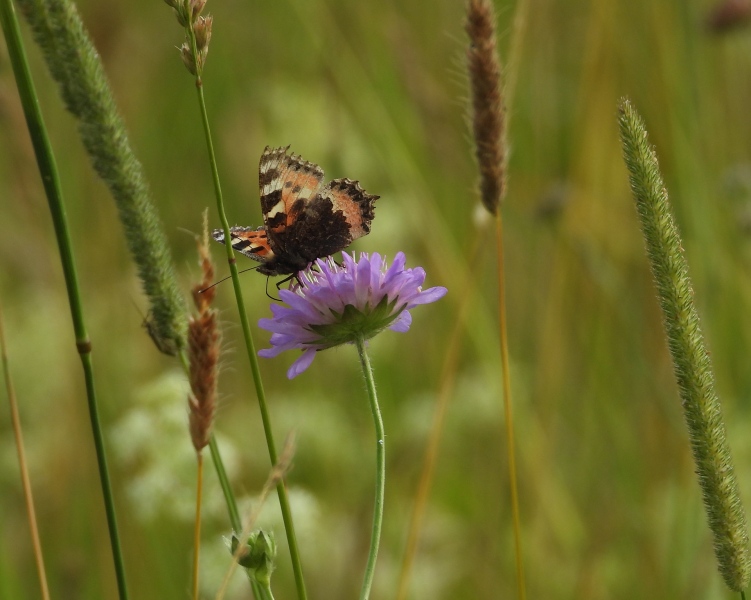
(303, 218)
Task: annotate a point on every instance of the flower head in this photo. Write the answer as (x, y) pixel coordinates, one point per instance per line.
(336, 304)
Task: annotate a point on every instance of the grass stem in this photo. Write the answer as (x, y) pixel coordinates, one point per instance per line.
(445, 392)
(50, 178)
(23, 467)
(249, 345)
(507, 407)
(197, 527)
(491, 149)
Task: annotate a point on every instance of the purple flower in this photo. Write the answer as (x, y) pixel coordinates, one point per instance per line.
(338, 304)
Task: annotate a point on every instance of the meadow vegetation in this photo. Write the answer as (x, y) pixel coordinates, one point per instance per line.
(609, 502)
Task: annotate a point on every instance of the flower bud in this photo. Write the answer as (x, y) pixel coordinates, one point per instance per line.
(258, 555)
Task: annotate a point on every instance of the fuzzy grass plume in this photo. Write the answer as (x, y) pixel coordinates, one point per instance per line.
(75, 65)
(203, 352)
(487, 112)
(691, 363)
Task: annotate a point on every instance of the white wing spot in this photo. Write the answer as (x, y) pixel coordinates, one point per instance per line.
(276, 209)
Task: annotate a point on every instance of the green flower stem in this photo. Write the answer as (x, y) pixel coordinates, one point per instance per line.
(51, 181)
(249, 346)
(375, 538)
(693, 371)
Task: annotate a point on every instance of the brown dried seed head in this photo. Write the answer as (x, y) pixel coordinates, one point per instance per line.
(187, 56)
(730, 14)
(202, 30)
(203, 353)
(203, 293)
(487, 102)
(196, 7)
(203, 349)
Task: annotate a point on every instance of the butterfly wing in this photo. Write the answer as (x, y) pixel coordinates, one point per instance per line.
(250, 242)
(303, 219)
(333, 219)
(354, 203)
(287, 184)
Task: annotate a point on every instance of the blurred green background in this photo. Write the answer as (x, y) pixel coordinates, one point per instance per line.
(377, 92)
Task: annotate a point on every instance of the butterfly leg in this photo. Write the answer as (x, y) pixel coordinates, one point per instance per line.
(269, 296)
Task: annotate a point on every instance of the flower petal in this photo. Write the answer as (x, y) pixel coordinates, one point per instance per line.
(301, 363)
(402, 323)
(428, 296)
(325, 300)
(349, 262)
(284, 325)
(271, 352)
(396, 268)
(300, 303)
(330, 304)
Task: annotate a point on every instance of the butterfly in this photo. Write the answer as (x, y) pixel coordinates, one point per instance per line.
(303, 218)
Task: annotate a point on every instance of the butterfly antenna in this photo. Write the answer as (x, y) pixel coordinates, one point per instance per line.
(226, 278)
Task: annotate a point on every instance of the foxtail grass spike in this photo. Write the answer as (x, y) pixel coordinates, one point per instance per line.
(691, 363)
(487, 111)
(77, 68)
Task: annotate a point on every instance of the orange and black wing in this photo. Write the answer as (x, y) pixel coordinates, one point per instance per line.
(287, 185)
(253, 243)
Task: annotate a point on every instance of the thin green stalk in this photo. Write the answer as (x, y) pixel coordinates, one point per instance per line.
(249, 345)
(265, 591)
(375, 538)
(229, 497)
(51, 181)
(257, 591)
